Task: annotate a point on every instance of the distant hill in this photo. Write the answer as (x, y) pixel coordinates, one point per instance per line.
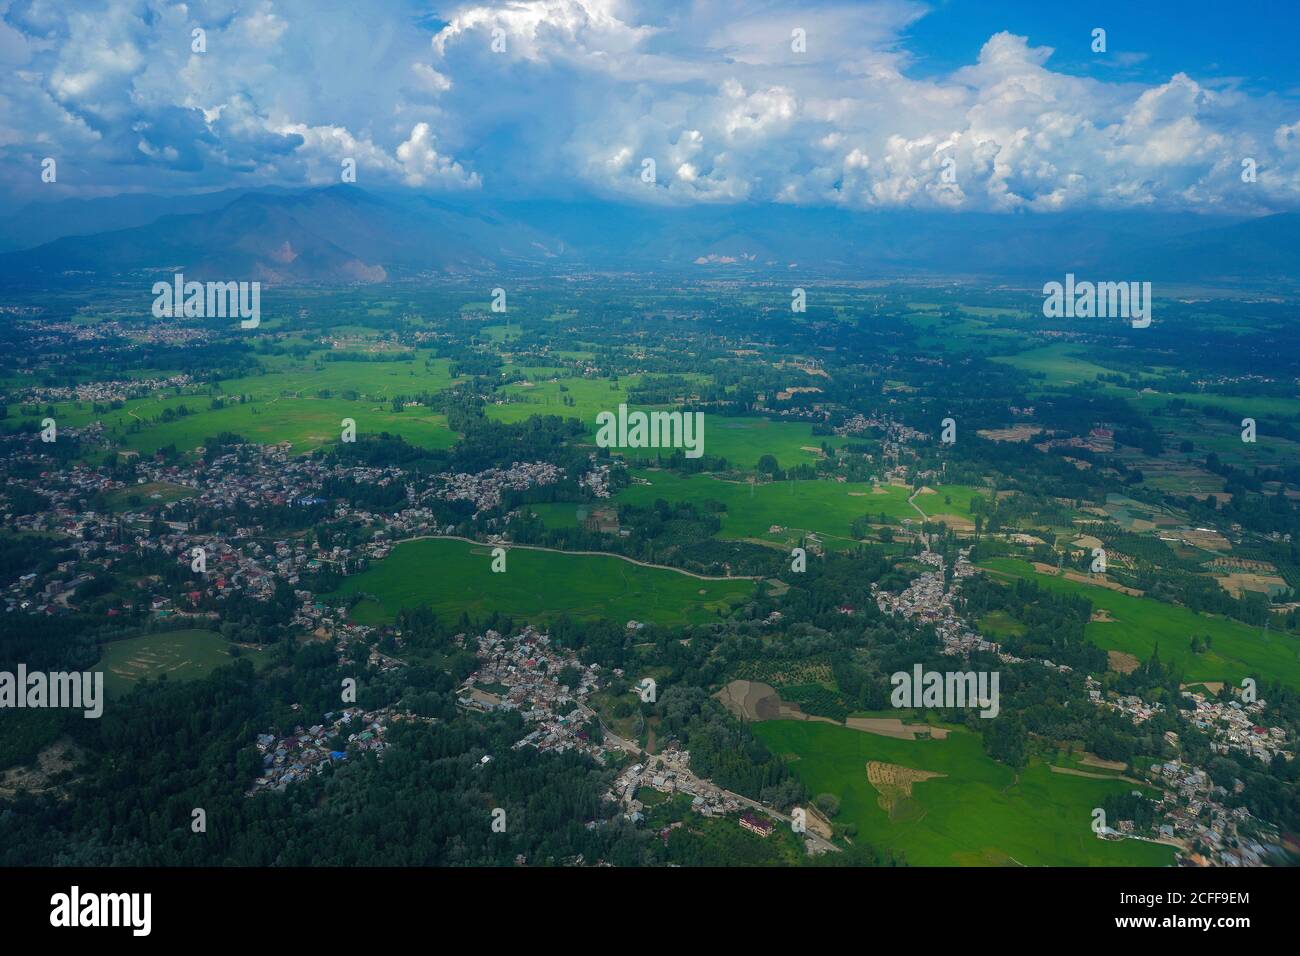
(40, 222)
(1258, 249)
(345, 234)
(339, 234)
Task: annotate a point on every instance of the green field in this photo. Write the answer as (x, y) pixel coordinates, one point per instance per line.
(454, 576)
(298, 403)
(999, 625)
(981, 813)
(1139, 624)
(559, 514)
(1063, 364)
(181, 655)
(743, 441)
(370, 380)
(143, 495)
(825, 507)
(590, 396)
(307, 423)
(1060, 363)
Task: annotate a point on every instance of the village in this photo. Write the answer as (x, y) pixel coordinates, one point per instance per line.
(547, 687)
(308, 751)
(1193, 817)
(551, 689)
(669, 773)
(246, 560)
(1193, 814)
(929, 600)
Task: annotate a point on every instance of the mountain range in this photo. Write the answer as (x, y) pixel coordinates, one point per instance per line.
(345, 234)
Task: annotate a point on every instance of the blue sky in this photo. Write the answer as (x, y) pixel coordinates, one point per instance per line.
(1251, 42)
(955, 105)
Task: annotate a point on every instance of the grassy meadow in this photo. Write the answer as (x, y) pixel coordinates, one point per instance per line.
(1139, 624)
(301, 403)
(980, 813)
(181, 655)
(825, 507)
(454, 576)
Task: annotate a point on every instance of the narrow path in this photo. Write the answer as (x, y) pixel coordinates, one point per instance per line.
(925, 539)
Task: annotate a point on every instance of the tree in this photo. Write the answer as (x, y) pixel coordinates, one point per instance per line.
(827, 803)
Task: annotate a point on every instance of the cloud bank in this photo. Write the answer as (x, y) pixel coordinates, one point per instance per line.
(736, 102)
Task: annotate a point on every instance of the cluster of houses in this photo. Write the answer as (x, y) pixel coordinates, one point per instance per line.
(484, 488)
(895, 432)
(596, 480)
(1192, 811)
(925, 600)
(669, 772)
(1194, 817)
(1131, 705)
(818, 412)
(310, 750)
(929, 600)
(1236, 725)
(104, 392)
(30, 592)
(118, 339)
(247, 560)
(524, 674)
